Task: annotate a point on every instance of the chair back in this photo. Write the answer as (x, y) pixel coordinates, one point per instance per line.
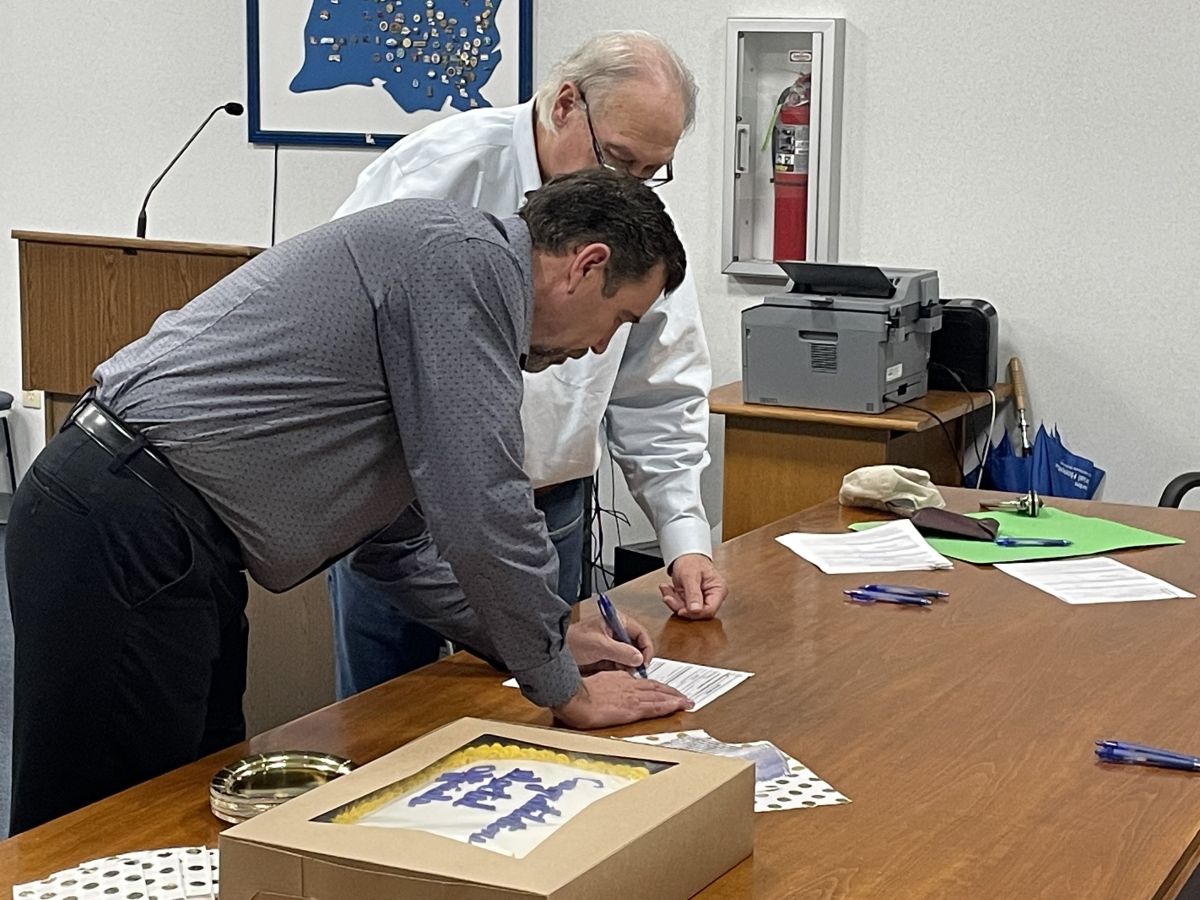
(1180, 485)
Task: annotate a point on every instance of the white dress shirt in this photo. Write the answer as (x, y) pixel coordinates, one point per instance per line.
(652, 380)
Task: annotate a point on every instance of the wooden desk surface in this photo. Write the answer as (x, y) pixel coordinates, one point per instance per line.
(963, 734)
(727, 401)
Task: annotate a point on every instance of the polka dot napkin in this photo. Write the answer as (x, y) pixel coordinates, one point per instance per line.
(781, 781)
(172, 873)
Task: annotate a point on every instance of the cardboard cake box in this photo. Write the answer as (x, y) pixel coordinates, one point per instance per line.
(523, 811)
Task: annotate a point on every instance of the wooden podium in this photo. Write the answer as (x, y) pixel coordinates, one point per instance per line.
(83, 298)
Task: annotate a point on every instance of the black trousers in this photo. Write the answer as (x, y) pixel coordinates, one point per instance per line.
(129, 617)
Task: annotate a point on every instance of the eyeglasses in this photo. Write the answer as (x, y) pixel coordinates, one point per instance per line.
(660, 176)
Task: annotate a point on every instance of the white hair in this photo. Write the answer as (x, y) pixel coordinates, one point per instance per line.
(611, 59)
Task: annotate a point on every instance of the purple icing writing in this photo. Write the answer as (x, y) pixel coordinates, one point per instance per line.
(553, 793)
(450, 782)
(496, 789)
(536, 809)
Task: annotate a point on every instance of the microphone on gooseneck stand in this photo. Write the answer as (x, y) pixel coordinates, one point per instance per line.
(234, 109)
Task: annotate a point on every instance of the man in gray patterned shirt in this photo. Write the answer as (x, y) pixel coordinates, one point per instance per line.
(285, 416)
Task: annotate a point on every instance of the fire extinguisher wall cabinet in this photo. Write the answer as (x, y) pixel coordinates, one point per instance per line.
(783, 115)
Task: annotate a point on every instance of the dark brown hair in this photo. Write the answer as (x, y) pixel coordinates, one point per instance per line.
(601, 206)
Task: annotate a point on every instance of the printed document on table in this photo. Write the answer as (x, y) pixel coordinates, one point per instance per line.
(700, 684)
(894, 547)
(1092, 580)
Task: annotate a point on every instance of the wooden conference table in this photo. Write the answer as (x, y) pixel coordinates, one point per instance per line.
(963, 734)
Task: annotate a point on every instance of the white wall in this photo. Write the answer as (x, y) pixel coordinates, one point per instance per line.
(1038, 155)
(94, 104)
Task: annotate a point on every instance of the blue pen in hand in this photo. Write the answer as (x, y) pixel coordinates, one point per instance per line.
(613, 621)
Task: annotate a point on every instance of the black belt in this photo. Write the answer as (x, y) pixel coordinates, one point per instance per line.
(130, 450)
(547, 488)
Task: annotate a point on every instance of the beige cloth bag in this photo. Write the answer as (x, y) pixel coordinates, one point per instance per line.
(876, 486)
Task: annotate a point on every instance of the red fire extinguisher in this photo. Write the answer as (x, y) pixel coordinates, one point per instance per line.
(789, 151)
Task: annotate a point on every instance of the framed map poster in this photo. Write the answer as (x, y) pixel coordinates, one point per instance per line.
(367, 72)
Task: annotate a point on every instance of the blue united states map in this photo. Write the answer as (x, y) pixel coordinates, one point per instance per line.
(422, 52)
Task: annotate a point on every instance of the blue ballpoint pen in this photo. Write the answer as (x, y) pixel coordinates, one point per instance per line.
(861, 596)
(904, 590)
(1158, 760)
(1031, 542)
(1107, 748)
(613, 621)
(1144, 748)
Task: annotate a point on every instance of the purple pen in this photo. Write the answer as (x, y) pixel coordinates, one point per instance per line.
(613, 621)
(904, 590)
(864, 596)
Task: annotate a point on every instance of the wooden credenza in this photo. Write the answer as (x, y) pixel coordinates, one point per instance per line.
(782, 459)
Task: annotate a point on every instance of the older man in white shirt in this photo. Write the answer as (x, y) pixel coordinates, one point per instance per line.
(622, 100)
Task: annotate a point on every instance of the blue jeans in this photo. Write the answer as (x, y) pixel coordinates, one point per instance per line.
(375, 640)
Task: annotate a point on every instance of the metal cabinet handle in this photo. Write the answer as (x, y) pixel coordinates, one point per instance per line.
(741, 149)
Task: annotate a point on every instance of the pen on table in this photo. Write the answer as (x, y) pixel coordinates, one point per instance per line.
(1031, 542)
(1142, 748)
(862, 596)
(613, 621)
(904, 590)
(1122, 752)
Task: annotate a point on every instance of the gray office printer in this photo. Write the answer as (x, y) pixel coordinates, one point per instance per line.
(844, 337)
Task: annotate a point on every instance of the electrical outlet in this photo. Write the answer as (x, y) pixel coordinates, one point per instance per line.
(31, 399)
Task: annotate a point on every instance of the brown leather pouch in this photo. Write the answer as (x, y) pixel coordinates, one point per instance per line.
(935, 522)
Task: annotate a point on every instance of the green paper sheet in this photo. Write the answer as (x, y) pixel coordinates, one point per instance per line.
(1088, 536)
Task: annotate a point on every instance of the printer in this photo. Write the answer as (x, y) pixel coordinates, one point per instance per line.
(844, 337)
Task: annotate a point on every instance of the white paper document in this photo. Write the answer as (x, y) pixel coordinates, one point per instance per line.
(894, 547)
(700, 684)
(1092, 580)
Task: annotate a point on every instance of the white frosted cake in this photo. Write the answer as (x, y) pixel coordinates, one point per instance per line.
(502, 797)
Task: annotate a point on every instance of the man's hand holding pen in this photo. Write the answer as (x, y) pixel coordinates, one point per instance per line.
(607, 656)
(597, 649)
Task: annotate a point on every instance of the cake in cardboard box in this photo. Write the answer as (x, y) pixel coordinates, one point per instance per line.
(503, 796)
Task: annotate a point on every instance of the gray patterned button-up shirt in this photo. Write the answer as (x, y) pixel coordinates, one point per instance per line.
(318, 390)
